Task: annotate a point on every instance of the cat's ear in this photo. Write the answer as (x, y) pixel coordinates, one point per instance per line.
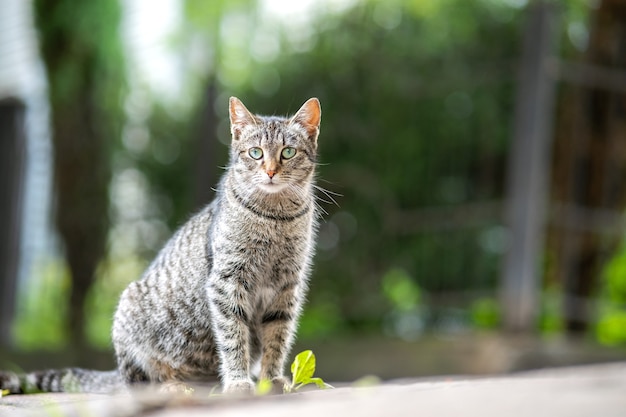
(309, 117)
(240, 117)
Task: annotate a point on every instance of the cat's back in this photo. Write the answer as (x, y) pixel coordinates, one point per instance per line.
(176, 273)
(185, 255)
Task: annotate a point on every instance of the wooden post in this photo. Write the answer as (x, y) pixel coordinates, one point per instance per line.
(12, 150)
(528, 173)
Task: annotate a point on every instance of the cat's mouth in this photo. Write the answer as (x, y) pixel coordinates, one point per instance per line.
(272, 187)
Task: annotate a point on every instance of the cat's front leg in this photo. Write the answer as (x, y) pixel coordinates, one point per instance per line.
(278, 328)
(230, 322)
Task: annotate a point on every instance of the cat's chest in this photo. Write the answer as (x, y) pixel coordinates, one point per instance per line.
(251, 235)
(274, 249)
(268, 250)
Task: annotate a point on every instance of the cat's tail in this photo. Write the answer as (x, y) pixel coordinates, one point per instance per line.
(62, 380)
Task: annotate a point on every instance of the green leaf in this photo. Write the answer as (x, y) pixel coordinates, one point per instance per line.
(320, 383)
(302, 370)
(4, 393)
(303, 367)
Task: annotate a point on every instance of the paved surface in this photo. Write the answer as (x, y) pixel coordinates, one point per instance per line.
(598, 390)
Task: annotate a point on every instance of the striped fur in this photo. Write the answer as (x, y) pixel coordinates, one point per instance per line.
(61, 380)
(226, 291)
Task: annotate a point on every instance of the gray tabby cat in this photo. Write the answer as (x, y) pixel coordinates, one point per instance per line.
(226, 291)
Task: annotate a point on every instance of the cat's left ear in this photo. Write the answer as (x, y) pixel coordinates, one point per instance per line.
(309, 117)
(240, 117)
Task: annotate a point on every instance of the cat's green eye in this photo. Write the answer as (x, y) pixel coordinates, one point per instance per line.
(288, 153)
(255, 153)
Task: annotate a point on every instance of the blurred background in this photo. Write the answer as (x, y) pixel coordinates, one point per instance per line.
(477, 150)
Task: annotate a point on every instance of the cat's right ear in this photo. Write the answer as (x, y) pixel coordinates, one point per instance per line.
(240, 117)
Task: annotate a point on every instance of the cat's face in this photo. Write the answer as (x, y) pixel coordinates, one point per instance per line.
(273, 154)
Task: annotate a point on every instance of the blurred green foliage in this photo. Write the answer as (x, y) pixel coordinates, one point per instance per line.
(611, 324)
(401, 290)
(485, 313)
(551, 314)
(406, 316)
(615, 278)
(41, 317)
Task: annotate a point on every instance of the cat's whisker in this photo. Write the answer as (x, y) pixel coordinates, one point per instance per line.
(320, 208)
(301, 193)
(329, 194)
(326, 181)
(318, 198)
(327, 191)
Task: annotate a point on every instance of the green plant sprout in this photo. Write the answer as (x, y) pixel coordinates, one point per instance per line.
(302, 370)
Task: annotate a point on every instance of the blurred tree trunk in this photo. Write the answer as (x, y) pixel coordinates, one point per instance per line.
(81, 50)
(590, 167)
(12, 153)
(206, 143)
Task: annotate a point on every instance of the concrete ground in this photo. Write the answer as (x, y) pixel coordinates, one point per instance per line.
(592, 390)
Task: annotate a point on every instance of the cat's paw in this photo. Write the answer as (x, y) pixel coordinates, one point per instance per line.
(176, 387)
(239, 387)
(280, 384)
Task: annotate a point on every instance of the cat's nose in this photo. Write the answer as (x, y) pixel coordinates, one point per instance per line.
(271, 173)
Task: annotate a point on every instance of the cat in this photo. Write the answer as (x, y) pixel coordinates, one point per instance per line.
(225, 293)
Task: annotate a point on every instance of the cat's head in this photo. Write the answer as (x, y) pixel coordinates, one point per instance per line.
(273, 153)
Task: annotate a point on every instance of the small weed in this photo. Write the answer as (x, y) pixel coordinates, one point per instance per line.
(302, 371)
